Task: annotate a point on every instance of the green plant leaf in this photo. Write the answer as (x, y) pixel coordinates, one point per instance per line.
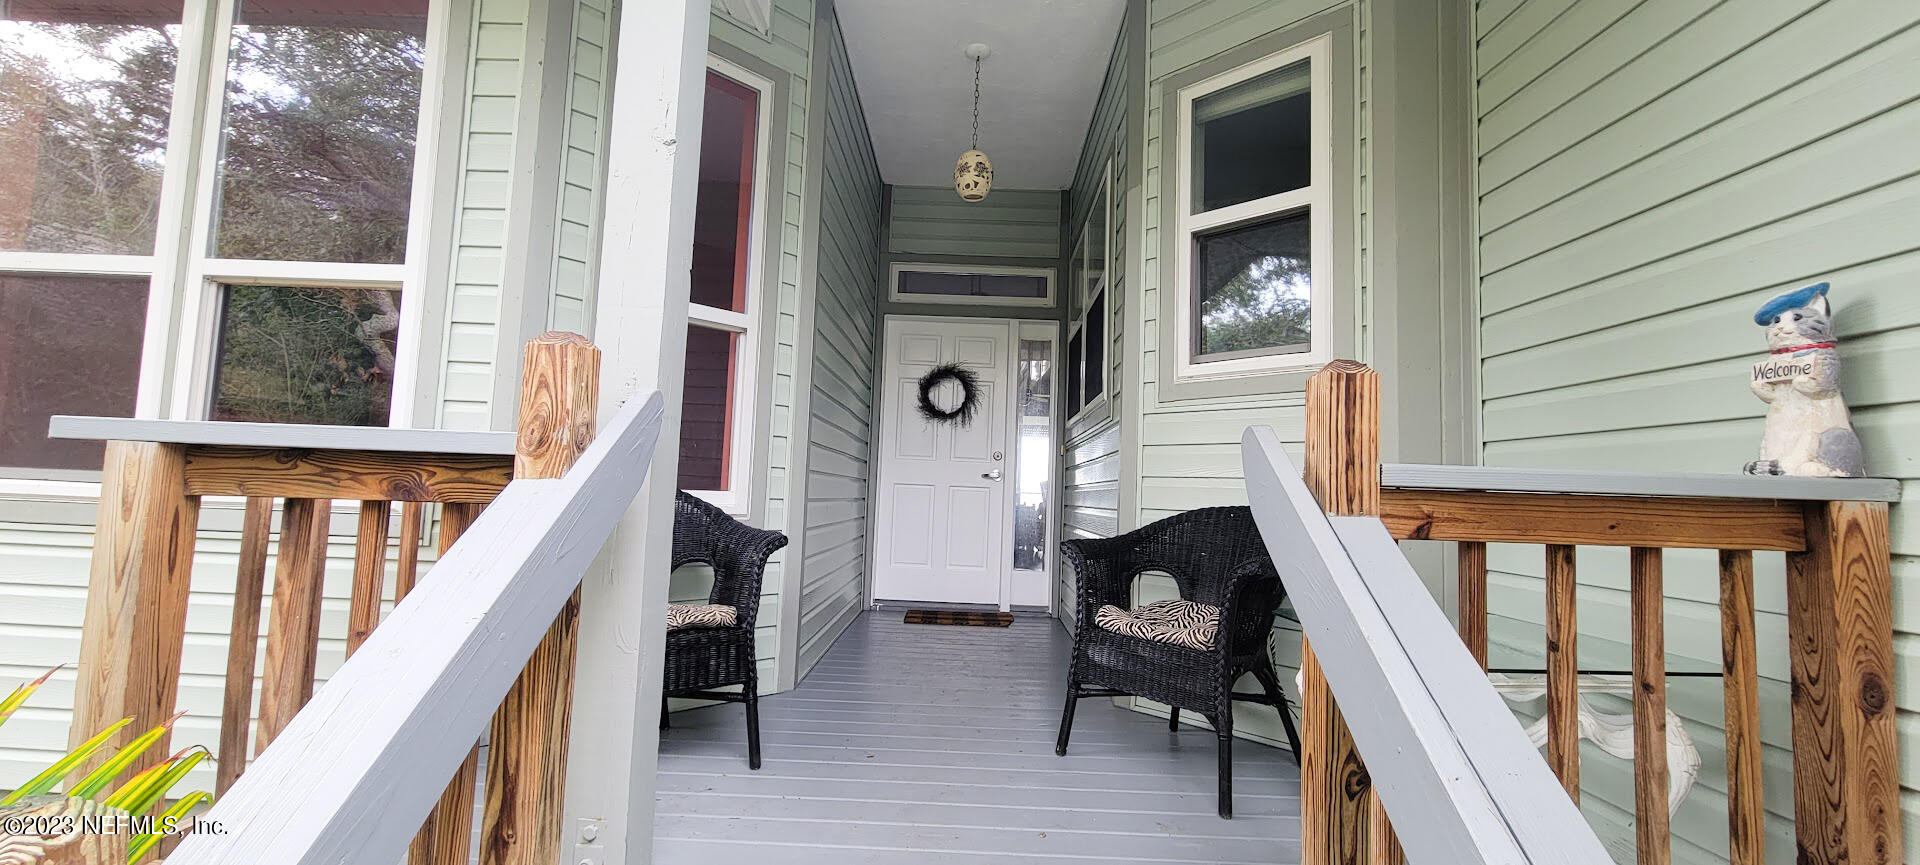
(144, 842)
(46, 781)
(20, 694)
(99, 778)
(153, 787)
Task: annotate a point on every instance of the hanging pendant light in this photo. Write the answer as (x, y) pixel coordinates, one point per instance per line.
(973, 172)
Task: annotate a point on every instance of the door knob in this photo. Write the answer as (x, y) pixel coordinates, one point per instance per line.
(992, 475)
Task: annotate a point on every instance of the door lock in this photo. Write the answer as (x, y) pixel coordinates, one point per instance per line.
(992, 475)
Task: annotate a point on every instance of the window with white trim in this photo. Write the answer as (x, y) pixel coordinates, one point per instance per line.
(1255, 217)
(1088, 314)
(723, 315)
(295, 197)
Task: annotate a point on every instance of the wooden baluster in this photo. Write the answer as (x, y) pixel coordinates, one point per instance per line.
(1473, 599)
(135, 622)
(293, 629)
(243, 641)
(1563, 670)
(1746, 814)
(1649, 707)
(407, 568)
(1382, 845)
(446, 836)
(527, 755)
(1846, 761)
(1343, 471)
(369, 572)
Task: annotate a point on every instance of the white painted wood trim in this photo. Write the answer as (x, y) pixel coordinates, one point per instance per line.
(281, 435)
(1455, 771)
(1317, 198)
(1586, 482)
(357, 770)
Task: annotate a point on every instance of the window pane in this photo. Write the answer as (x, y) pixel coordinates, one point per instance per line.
(1253, 287)
(68, 345)
(972, 284)
(322, 101)
(706, 409)
(1096, 332)
(85, 90)
(1076, 360)
(723, 211)
(306, 355)
(1034, 459)
(1253, 139)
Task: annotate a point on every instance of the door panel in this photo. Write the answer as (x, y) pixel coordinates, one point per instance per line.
(943, 487)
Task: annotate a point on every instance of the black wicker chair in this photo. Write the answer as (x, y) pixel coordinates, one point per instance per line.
(701, 659)
(1216, 557)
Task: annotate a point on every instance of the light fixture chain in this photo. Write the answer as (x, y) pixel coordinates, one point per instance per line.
(976, 103)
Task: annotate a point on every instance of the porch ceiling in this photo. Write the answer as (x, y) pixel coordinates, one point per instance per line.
(1037, 90)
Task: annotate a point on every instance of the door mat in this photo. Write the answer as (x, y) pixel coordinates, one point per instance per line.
(959, 617)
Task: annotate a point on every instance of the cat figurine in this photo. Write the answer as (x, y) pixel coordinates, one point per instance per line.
(1808, 431)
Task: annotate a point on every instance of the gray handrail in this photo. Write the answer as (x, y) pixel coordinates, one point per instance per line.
(355, 773)
(1459, 778)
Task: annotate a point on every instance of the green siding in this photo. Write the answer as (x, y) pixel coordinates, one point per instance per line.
(1090, 475)
(1647, 175)
(787, 49)
(472, 324)
(1010, 223)
(846, 320)
(577, 235)
(1189, 454)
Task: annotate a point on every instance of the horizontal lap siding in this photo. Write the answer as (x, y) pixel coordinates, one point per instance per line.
(846, 322)
(43, 595)
(472, 325)
(1090, 474)
(786, 47)
(1010, 223)
(1648, 175)
(1190, 449)
(577, 239)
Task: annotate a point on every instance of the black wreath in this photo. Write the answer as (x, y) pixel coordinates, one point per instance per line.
(961, 414)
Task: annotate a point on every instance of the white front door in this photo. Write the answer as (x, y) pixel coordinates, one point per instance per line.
(942, 533)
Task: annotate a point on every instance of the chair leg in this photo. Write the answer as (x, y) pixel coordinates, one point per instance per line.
(1226, 766)
(1066, 719)
(1270, 681)
(1173, 720)
(752, 691)
(664, 723)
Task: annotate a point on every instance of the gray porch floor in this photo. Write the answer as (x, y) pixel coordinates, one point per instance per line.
(934, 745)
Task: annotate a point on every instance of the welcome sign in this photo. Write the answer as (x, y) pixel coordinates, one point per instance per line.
(1784, 368)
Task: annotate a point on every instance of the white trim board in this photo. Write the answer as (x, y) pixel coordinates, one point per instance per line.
(275, 435)
(1600, 483)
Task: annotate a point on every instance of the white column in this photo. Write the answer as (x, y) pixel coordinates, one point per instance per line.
(640, 324)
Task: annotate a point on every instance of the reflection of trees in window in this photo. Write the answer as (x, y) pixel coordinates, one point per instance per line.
(306, 355)
(83, 126)
(319, 143)
(1255, 287)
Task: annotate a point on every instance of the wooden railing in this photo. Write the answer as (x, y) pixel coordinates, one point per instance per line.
(1835, 536)
(418, 690)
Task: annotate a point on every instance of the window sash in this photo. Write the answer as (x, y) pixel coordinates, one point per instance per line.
(1316, 199)
(897, 268)
(737, 498)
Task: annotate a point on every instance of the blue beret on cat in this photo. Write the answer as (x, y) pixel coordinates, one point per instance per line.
(1791, 300)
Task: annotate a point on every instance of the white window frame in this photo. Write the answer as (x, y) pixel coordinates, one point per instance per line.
(899, 267)
(209, 276)
(737, 498)
(1316, 198)
(1084, 291)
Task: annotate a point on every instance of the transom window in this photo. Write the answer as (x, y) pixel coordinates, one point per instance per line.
(972, 283)
(293, 198)
(1255, 221)
(717, 404)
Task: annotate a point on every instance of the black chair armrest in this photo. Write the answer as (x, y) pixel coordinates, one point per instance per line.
(1099, 578)
(1253, 595)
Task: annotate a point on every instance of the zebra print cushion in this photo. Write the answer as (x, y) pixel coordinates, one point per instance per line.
(1176, 622)
(699, 616)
